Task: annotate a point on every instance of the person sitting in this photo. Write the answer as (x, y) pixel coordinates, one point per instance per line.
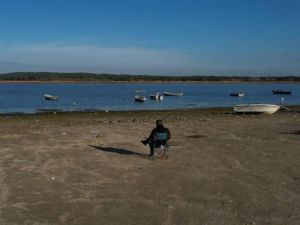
(153, 136)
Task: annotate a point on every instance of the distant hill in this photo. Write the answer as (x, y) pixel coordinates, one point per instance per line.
(90, 77)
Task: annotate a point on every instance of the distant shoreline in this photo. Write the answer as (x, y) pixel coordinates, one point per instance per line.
(55, 77)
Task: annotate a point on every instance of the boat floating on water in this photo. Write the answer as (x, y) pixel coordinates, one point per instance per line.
(239, 94)
(157, 96)
(278, 91)
(172, 93)
(256, 108)
(138, 91)
(50, 97)
(140, 98)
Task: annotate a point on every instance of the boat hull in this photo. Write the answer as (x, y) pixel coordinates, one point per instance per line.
(156, 97)
(139, 98)
(173, 94)
(280, 92)
(237, 94)
(50, 97)
(256, 108)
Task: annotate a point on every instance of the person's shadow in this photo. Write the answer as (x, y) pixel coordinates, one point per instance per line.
(118, 151)
(296, 132)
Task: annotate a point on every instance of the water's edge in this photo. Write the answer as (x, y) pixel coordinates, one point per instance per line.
(206, 110)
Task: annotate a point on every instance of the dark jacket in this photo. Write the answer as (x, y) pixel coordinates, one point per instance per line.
(159, 129)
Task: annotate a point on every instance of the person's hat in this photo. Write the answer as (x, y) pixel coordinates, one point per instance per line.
(159, 122)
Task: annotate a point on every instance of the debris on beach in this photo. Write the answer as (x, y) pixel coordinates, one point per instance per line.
(94, 131)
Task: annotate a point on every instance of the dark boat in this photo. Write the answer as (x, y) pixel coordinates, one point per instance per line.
(281, 92)
(157, 96)
(239, 94)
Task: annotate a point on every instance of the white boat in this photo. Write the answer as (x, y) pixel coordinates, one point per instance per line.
(138, 91)
(140, 98)
(256, 108)
(50, 97)
(157, 96)
(173, 93)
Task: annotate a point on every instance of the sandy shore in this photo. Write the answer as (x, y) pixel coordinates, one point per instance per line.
(90, 168)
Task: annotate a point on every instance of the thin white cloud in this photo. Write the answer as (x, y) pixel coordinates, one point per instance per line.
(88, 58)
(58, 57)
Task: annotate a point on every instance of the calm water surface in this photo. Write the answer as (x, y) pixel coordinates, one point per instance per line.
(28, 98)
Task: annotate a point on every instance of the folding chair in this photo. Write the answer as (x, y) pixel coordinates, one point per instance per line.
(161, 146)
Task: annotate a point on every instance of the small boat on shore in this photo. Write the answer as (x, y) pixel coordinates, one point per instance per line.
(140, 98)
(281, 92)
(256, 108)
(50, 97)
(172, 93)
(239, 94)
(157, 96)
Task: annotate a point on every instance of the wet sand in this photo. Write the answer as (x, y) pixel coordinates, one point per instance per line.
(90, 168)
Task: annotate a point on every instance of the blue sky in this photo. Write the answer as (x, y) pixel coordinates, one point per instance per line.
(166, 37)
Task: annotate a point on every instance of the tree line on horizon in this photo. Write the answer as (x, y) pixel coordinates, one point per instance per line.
(55, 76)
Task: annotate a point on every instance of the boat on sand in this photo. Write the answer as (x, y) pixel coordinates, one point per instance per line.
(256, 108)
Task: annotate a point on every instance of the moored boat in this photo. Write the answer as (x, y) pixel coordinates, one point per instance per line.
(256, 108)
(50, 97)
(282, 92)
(172, 93)
(239, 94)
(138, 91)
(140, 98)
(157, 96)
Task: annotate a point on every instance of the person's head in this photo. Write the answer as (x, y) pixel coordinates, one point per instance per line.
(159, 122)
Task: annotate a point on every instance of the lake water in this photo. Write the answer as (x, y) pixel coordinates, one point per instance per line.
(29, 98)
